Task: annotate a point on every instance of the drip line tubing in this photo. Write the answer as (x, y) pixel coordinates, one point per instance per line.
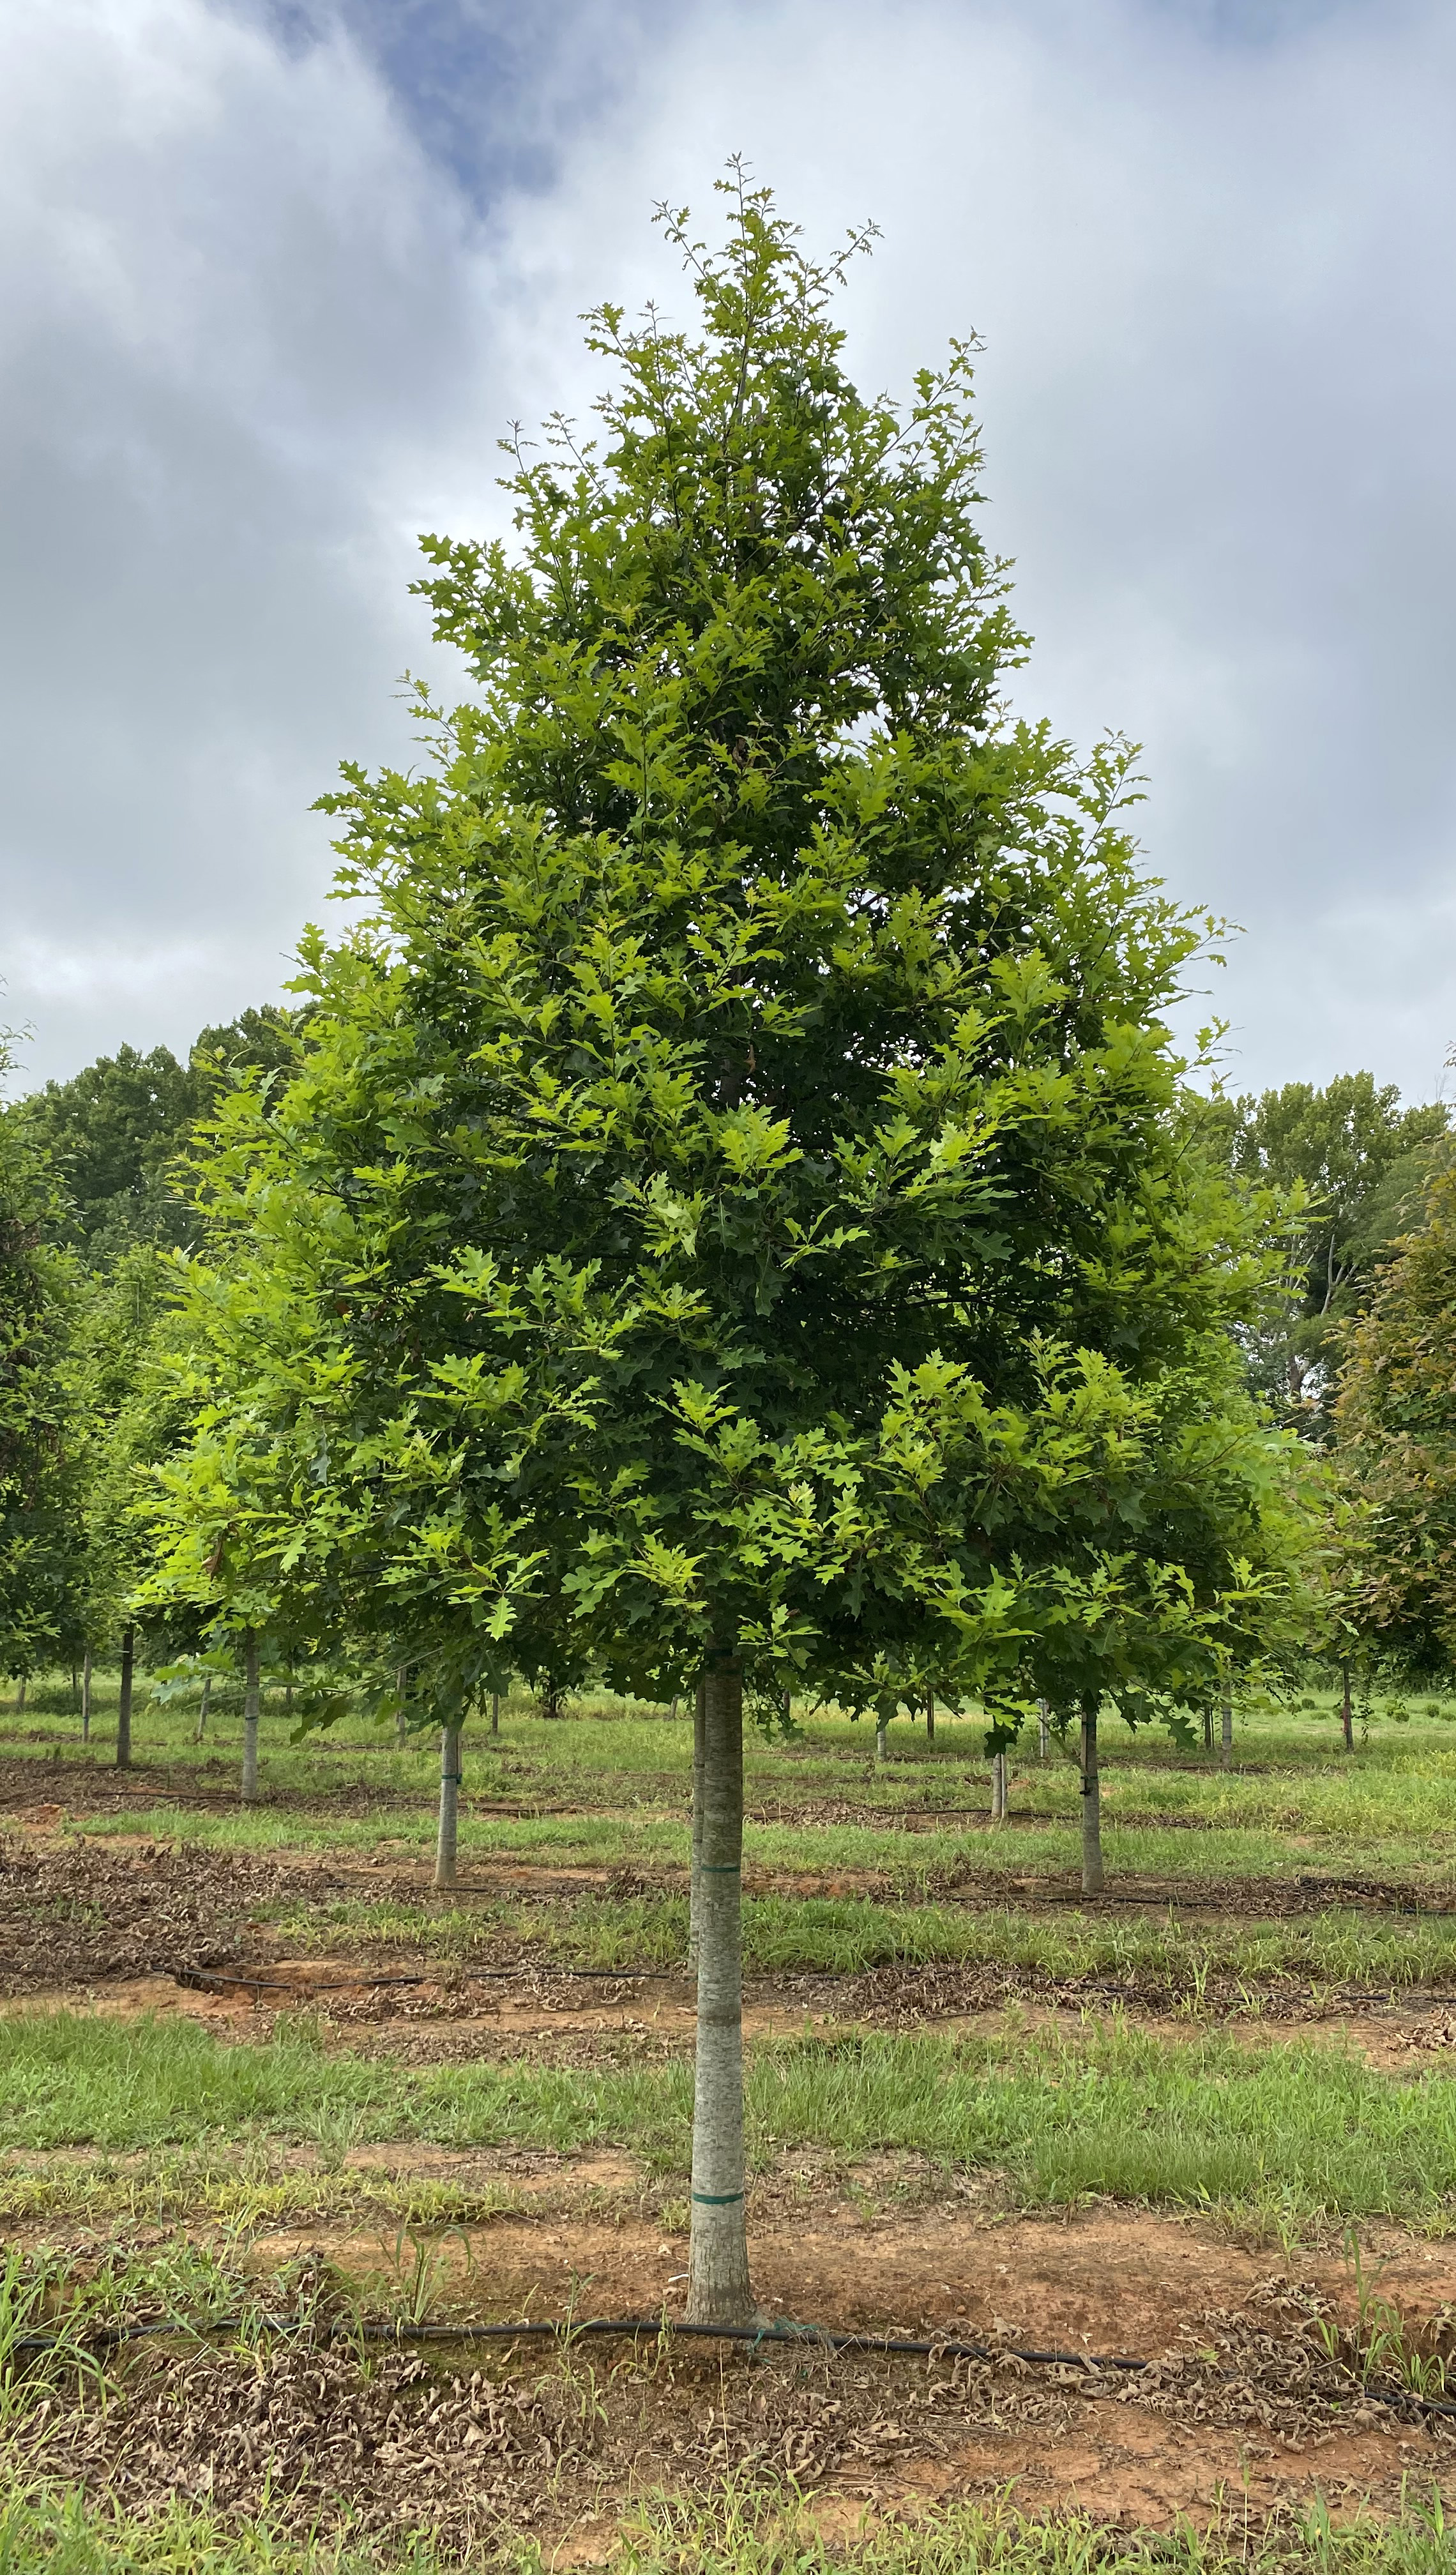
(804, 2337)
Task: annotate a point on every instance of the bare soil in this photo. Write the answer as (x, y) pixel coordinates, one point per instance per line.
(1240, 2404)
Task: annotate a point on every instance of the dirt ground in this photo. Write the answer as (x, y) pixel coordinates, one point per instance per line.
(1240, 2409)
(1243, 2404)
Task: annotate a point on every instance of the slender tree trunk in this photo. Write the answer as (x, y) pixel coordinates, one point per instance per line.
(75, 1690)
(20, 1696)
(450, 1778)
(203, 1704)
(124, 1703)
(787, 1709)
(1226, 1750)
(251, 1698)
(85, 1697)
(695, 1872)
(287, 1691)
(1092, 1794)
(673, 1710)
(882, 1738)
(1208, 1729)
(930, 1716)
(1043, 1730)
(720, 2291)
(1347, 1714)
(495, 1711)
(1000, 1800)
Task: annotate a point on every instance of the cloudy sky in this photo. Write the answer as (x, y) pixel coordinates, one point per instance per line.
(275, 274)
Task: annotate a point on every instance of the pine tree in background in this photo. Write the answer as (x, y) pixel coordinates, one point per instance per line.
(732, 1218)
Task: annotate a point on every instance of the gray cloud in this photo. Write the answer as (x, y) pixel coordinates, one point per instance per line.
(265, 312)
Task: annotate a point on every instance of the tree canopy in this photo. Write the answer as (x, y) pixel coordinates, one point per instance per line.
(1359, 1161)
(114, 1132)
(730, 1190)
(1396, 1424)
(37, 1490)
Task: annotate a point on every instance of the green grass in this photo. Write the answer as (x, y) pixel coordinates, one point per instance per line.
(843, 1936)
(1306, 2127)
(1294, 1800)
(740, 2530)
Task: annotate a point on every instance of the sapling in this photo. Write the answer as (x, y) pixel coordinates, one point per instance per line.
(734, 1212)
(252, 1701)
(124, 1701)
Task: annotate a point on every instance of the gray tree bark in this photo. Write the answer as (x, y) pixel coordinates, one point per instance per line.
(930, 1716)
(447, 1835)
(881, 1738)
(1091, 1796)
(1208, 1729)
(719, 2288)
(1043, 1730)
(85, 1697)
(124, 1703)
(999, 1788)
(694, 1865)
(252, 1696)
(203, 1704)
(495, 1711)
(1225, 1749)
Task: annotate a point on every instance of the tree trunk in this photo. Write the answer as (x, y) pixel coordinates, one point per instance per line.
(930, 1716)
(20, 1696)
(251, 1697)
(1092, 1794)
(495, 1711)
(882, 1746)
(85, 1697)
(695, 1867)
(75, 1690)
(1208, 1729)
(450, 1778)
(203, 1704)
(1226, 1750)
(124, 1703)
(673, 1710)
(718, 2288)
(1347, 1714)
(287, 1691)
(999, 1799)
(1043, 1730)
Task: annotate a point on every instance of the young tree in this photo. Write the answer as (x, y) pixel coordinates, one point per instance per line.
(731, 1224)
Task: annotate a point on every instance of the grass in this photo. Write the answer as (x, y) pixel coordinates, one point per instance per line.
(845, 1935)
(740, 2531)
(1293, 1801)
(1306, 2127)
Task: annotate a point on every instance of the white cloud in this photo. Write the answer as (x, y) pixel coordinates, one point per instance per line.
(256, 338)
(1218, 402)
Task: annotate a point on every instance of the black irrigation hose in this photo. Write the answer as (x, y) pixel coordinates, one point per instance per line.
(202, 1980)
(812, 2337)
